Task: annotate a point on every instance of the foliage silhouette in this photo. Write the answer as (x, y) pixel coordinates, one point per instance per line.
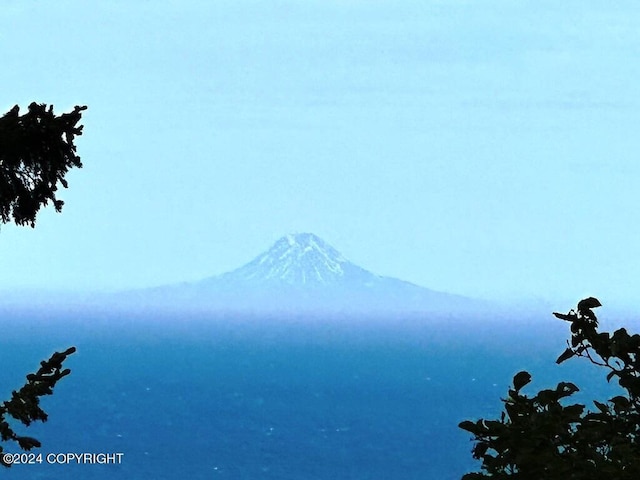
(36, 152)
(542, 437)
(25, 403)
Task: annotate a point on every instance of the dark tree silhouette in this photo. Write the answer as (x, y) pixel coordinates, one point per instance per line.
(542, 437)
(36, 152)
(25, 403)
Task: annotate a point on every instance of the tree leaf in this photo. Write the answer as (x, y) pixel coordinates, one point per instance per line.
(588, 303)
(565, 316)
(566, 355)
(601, 406)
(566, 389)
(521, 379)
(468, 426)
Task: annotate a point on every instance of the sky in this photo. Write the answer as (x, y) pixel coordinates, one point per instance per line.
(486, 148)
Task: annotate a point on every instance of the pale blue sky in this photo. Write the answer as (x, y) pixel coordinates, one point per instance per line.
(487, 148)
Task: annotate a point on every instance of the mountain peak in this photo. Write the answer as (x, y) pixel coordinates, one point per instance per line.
(302, 239)
(302, 273)
(296, 259)
(305, 244)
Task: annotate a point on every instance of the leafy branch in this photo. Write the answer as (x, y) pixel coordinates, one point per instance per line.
(25, 403)
(543, 437)
(36, 151)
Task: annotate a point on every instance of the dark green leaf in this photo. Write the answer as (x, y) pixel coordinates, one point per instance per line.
(566, 355)
(588, 303)
(521, 379)
(566, 389)
(468, 426)
(601, 406)
(565, 316)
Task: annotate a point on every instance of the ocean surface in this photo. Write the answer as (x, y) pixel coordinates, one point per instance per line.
(251, 398)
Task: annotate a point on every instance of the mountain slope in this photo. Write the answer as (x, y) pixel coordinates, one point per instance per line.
(303, 261)
(301, 273)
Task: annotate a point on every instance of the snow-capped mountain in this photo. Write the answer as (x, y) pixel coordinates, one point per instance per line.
(301, 273)
(298, 260)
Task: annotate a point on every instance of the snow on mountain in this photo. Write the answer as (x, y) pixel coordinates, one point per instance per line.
(301, 273)
(297, 260)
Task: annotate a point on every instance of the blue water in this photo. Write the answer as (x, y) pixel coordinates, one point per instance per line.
(225, 398)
